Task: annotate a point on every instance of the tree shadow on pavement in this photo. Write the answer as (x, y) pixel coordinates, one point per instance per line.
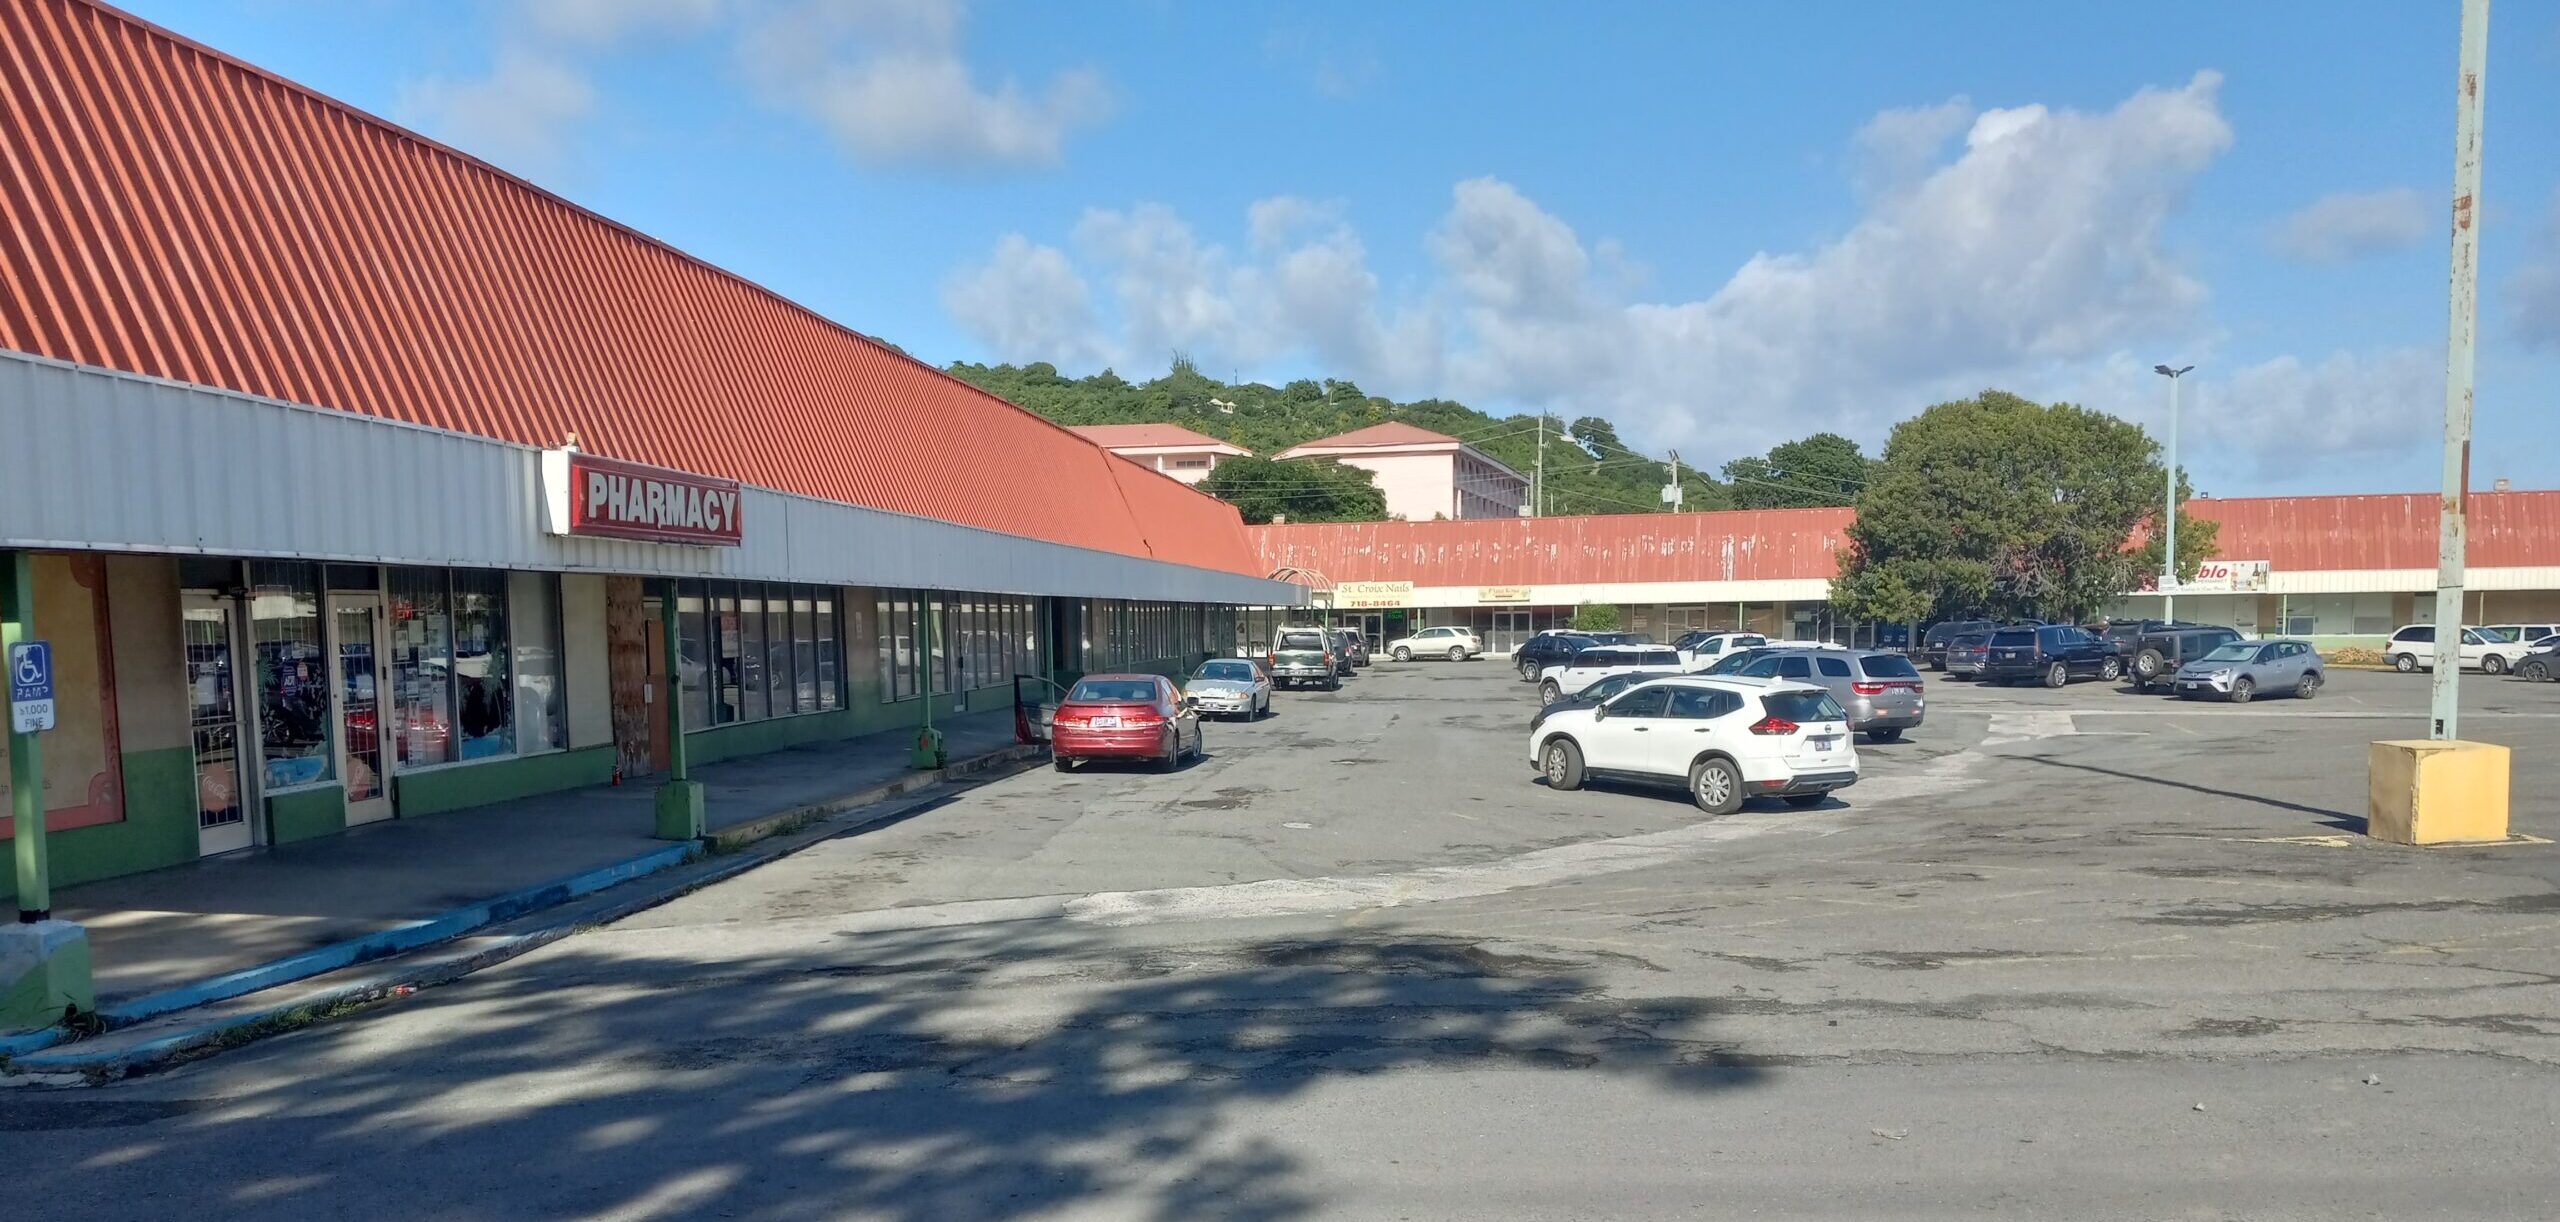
(989, 1072)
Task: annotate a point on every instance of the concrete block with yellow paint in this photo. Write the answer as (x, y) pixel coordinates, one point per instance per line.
(2422, 791)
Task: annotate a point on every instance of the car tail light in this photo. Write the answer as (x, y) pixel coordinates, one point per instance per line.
(1774, 724)
(1878, 689)
(1142, 721)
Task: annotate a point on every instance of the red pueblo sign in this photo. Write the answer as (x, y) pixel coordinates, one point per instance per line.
(593, 495)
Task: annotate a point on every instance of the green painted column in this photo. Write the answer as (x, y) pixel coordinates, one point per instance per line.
(680, 811)
(26, 760)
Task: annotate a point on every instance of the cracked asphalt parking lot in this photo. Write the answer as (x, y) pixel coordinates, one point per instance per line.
(2061, 953)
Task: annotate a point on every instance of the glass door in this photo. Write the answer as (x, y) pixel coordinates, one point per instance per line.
(213, 717)
(355, 625)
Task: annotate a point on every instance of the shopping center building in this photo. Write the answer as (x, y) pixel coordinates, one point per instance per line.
(2341, 570)
(359, 480)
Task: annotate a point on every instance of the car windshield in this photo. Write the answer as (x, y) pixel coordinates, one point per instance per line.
(1970, 640)
(2008, 637)
(2236, 651)
(1735, 661)
(1302, 640)
(2500, 634)
(1802, 707)
(1887, 666)
(1108, 691)
(1236, 672)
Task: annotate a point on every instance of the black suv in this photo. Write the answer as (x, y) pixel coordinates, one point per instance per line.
(2154, 655)
(2051, 654)
(1545, 650)
(1933, 643)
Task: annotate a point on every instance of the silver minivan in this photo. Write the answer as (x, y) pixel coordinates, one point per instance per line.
(1880, 688)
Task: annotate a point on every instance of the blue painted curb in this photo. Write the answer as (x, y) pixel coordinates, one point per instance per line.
(449, 924)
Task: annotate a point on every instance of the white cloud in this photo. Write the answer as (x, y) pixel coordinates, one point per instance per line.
(2032, 254)
(2533, 293)
(601, 22)
(518, 116)
(1026, 301)
(887, 79)
(2353, 224)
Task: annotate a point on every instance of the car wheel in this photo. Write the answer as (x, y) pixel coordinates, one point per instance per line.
(1561, 764)
(2146, 667)
(2404, 662)
(1062, 763)
(1457, 653)
(2243, 690)
(2111, 670)
(1403, 654)
(1716, 786)
(2308, 686)
(2535, 671)
(1549, 693)
(1333, 684)
(2494, 664)
(2056, 675)
(1172, 756)
(1806, 801)
(1891, 734)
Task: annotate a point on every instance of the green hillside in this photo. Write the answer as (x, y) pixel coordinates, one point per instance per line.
(1588, 470)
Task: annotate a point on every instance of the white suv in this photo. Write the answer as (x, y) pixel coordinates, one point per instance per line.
(1583, 669)
(1724, 739)
(1455, 644)
(2414, 648)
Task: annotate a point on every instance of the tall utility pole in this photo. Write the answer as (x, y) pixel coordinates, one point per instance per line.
(1538, 484)
(2169, 504)
(2463, 314)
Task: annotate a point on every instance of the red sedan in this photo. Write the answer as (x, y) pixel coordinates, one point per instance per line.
(1125, 717)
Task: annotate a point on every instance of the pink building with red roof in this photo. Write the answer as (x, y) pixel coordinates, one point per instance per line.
(1167, 449)
(1425, 475)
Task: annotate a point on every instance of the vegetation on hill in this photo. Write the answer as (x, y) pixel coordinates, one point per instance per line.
(1306, 490)
(1588, 468)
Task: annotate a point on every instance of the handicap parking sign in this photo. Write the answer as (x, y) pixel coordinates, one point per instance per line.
(30, 686)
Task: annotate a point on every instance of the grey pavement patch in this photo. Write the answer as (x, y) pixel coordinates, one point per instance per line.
(2265, 914)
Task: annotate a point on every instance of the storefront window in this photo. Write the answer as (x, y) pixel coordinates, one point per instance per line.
(804, 651)
(693, 655)
(422, 665)
(933, 637)
(293, 672)
(755, 676)
(542, 704)
(728, 687)
(483, 670)
(830, 670)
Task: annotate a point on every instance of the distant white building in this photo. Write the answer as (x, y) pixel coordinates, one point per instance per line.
(1169, 448)
(1424, 474)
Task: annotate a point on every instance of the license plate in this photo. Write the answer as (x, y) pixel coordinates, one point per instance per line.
(1106, 723)
(1824, 744)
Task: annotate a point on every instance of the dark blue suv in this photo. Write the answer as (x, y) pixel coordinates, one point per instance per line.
(1545, 650)
(2051, 654)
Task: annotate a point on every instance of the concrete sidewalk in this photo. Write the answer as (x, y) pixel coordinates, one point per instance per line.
(169, 929)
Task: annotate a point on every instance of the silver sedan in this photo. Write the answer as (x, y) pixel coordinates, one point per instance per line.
(1230, 687)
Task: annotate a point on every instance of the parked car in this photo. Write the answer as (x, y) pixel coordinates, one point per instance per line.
(1547, 649)
(1130, 717)
(1445, 641)
(2543, 663)
(1733, 663)
(2414, 648)
(1302, 656)
(1878, 688)
(1933, 643)
(1230, 687)
(1700, 650)
(2157, 653)
(1591, 665)
(2051, 654)
(2125, 634)
(2243, 670)
(1350, 650)
(1600, 690)
(1622, 638)
(1723, 739)
(1967, 653)
(2521, 634)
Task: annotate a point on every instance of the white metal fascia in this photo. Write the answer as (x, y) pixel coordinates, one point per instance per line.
(105, 460)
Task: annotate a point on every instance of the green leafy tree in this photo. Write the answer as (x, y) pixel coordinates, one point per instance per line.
(1596, 617)
(1306, 490)
(2002, 506)
(1824, 469)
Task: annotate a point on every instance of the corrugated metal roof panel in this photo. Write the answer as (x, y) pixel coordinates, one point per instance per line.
(1149, 435)
(167, 210)
(2388, 531)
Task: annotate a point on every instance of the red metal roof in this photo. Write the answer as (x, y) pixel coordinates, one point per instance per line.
(1391, 433)
(168, 210)
(1135, 436)
(1743, 545)
(2295, 534)
(2388, 531)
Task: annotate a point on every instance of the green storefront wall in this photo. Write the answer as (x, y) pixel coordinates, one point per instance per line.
(159, 827)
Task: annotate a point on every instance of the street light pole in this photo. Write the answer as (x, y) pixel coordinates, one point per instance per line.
(2169, 510)
(2464, 294)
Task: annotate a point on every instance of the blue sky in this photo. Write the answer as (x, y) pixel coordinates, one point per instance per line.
(1720, 225)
